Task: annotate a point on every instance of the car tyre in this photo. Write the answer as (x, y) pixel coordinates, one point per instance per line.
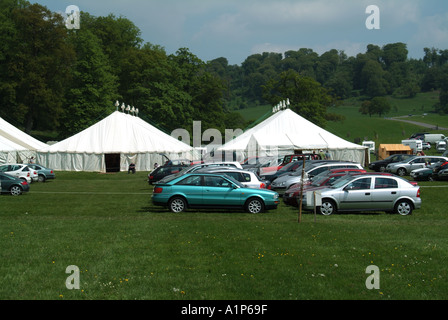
(401, 172)
(15, 191)
(41, 178)
(254, 205)
(177, 204)
(403, 207)
(327, 208)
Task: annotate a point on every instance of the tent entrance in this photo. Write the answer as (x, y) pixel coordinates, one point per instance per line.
(112, 162)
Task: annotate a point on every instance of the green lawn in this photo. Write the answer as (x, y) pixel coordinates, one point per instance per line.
(126, 248)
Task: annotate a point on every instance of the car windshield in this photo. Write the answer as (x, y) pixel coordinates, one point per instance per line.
(340, 182)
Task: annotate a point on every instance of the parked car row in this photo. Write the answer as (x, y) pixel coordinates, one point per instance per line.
(16, 178)
(345, 186)
(214, 185)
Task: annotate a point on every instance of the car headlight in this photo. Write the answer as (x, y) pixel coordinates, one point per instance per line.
(276, 196)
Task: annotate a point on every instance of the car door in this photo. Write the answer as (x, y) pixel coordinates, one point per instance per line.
(191, 187)
(416, 164)
(219, 191)
(357, 195)
(384, 193)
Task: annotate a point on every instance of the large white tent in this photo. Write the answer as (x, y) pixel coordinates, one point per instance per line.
(16, 145)
(112, 144)
(287, 132)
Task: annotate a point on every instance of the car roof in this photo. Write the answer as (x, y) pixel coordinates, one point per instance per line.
(223, 170)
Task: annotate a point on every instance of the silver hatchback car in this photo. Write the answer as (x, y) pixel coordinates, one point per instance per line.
(417, 162)
(368, 193)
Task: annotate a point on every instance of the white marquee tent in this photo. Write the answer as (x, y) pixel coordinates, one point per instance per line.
(112, 144)
(286, 132)
(16, 145)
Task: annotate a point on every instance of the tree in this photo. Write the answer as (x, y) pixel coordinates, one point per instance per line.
(308, 98)
(378, 105)
(394, 53)
(37, 65)
(93, 86)
(372, 76)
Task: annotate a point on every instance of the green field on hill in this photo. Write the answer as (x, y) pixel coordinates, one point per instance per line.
(379, 129)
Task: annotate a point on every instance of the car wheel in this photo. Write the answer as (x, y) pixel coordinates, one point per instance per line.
(327, 208)
(383, 169)
(41, 178)
(177, 204)
(403, 207)
(15, 191)
(401, 172)
(254, 205)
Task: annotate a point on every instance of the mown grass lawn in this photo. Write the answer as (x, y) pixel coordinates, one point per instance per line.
(126, 248)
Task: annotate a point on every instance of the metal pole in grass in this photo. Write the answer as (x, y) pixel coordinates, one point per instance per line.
(301, 191)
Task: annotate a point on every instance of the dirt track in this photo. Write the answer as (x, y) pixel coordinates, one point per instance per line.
(421, 124)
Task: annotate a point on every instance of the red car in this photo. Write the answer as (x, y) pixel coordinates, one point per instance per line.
(290, 158)
(319, 182)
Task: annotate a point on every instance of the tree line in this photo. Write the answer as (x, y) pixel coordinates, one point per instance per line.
(64, 80)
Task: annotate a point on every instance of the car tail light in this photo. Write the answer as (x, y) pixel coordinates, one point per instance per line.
(418, 193)
(51, 171)
(24, 183)
(262, 186)
(28, 174)
(158, 190)
(151, 177)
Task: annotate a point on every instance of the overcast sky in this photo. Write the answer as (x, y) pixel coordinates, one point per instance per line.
(235, 29)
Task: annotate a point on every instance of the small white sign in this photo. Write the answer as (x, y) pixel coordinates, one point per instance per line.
(314, 198)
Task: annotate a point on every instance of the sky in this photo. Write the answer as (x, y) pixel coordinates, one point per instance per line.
(236, 29)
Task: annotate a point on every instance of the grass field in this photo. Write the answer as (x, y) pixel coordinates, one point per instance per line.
(126, 248)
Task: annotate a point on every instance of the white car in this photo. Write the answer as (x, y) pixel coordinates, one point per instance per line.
(20, 171)
(247, 178)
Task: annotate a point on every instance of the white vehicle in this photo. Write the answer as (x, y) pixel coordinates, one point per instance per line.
(247, 178)
(434, 137)
(370, 145)
(415, 145)
(195, 167)
(441, 146)
(20, 171)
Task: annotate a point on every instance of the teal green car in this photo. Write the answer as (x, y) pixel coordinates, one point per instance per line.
(207, 190)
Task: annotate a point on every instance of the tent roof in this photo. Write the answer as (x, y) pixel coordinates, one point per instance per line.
(119, 133)
(8, 145)
(18, 137)
(286, 129)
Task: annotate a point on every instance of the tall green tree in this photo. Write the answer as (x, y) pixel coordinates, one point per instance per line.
(93, 86)
(37, 65)
(308, 98)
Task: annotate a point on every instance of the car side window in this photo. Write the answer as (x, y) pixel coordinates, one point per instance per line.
(234, 175)
(246, 177)
(213, 181)
(382, 183)
(190, 181)
(360, 184)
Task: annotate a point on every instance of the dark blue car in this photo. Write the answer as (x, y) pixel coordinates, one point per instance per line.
(13, 185)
